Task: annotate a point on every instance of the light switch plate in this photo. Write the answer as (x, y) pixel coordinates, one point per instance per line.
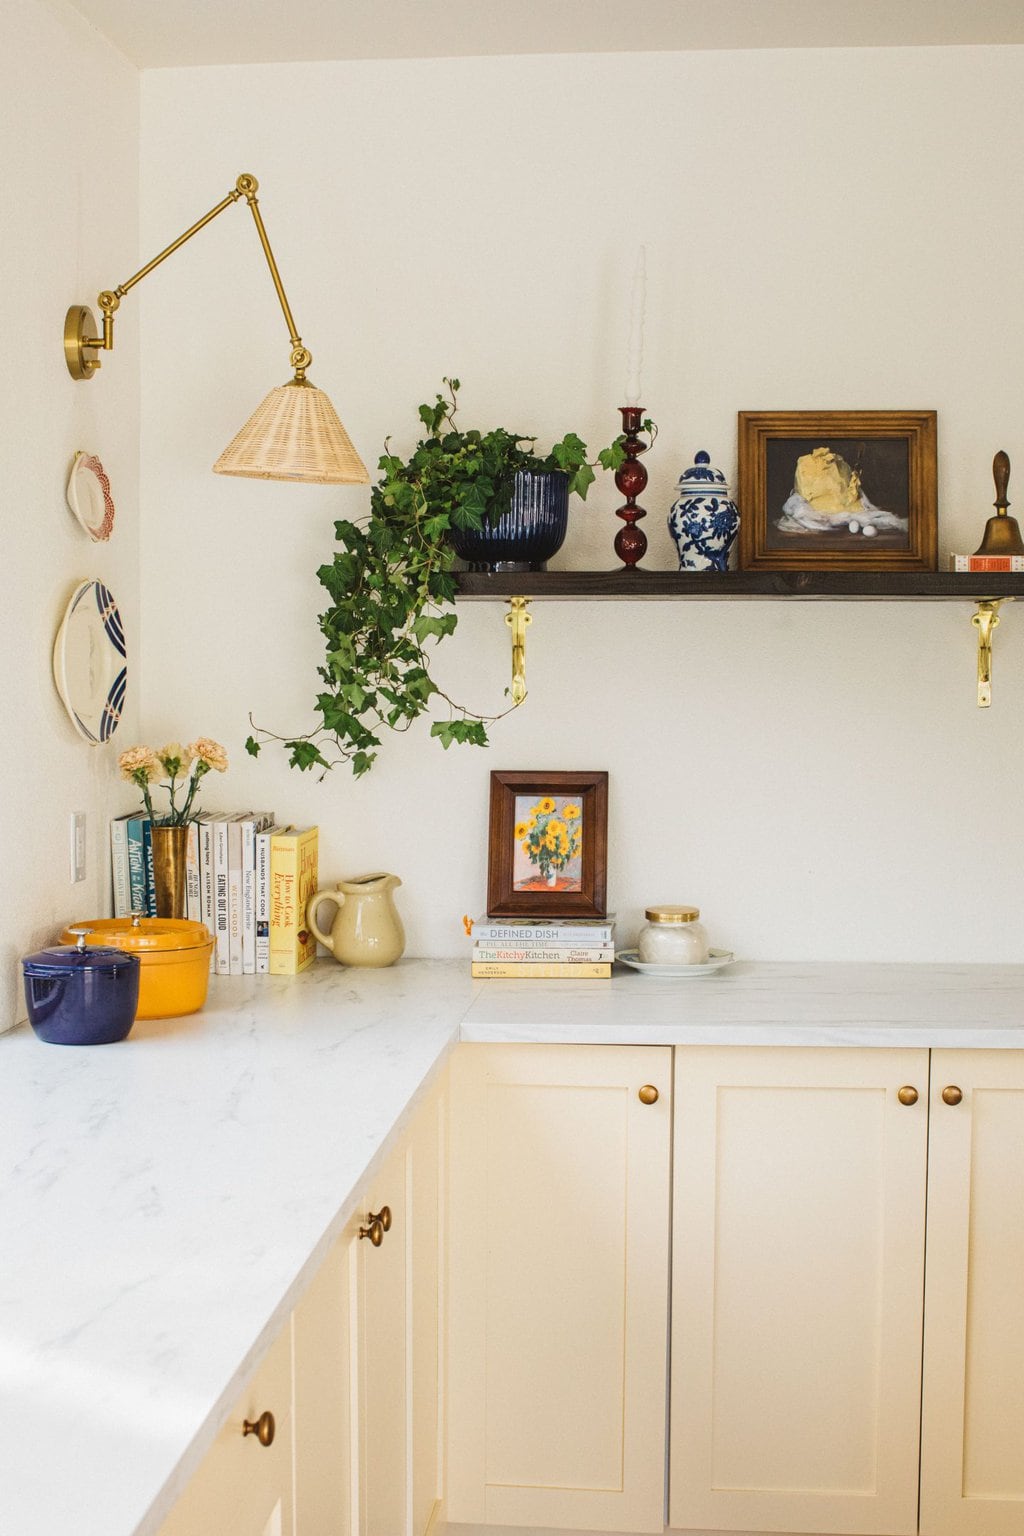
(77, 846)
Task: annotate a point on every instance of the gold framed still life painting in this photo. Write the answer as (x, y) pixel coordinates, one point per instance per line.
(837, 490)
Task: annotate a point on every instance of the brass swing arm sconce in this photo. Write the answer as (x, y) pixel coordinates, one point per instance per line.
(295, 434)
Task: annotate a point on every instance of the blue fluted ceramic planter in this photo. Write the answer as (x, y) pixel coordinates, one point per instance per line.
(525, 536)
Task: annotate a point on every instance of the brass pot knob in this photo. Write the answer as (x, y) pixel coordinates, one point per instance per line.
(951, 1095)
(907, 1095)
(263, 1428)
(648, 1094)
(375, 1231)
(383, 1216)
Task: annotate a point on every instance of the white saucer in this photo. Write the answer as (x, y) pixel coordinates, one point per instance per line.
(673, 970)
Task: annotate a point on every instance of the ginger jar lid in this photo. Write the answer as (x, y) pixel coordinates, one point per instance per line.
(702, 476)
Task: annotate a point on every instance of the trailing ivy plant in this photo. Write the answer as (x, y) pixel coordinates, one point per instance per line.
(392, 589)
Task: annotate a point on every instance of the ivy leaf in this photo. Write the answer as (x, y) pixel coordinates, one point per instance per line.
(305, 755)
(252, 746)
(611, 458)
(570, 453)
(581, 481)
(466, 731)
(438, 628)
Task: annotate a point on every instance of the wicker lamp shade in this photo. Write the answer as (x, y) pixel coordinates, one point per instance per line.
(294, 434)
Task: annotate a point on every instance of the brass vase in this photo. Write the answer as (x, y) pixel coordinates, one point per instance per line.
(169, 851)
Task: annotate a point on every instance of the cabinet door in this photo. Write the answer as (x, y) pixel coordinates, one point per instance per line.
(397, 1353)
(322, 1328)
(972, 1455)
(557, 1286)
(797, 1282)
(381, 1371)
(243, 1487)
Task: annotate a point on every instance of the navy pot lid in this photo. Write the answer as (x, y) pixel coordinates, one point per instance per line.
(702, 475)
(60, 959)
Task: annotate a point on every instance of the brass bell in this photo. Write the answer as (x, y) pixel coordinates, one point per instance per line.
(1002, 533)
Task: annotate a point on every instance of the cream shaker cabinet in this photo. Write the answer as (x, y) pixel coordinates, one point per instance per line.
(972, 1455)
(557, 1285)
(351, 1381)
(801, 1292)
(797, 1280)
(804, 1275)
(396, 1368)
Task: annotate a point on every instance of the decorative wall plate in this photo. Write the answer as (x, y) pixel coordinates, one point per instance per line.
(90, 662)
(89, 496)
(675, 970)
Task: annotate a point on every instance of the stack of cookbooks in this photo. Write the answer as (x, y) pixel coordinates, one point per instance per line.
(569, 948)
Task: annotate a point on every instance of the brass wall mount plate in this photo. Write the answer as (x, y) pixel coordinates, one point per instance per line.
(79, 324)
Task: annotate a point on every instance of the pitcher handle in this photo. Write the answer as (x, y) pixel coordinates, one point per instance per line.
(313, 906)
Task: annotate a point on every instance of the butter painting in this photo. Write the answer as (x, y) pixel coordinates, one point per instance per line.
(840, 492)
(837, 490)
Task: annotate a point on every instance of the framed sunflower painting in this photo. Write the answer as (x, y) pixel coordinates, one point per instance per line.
(548, 849)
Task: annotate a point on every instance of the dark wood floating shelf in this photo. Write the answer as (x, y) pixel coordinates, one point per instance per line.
(863, 586)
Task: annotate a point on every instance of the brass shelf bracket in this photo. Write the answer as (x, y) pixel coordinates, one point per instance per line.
(985, 621)
(517, 619)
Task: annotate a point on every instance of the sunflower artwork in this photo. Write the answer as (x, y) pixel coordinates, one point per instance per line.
(549, 839)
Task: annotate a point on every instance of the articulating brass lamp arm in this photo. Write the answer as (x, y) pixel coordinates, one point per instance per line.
(80, 322)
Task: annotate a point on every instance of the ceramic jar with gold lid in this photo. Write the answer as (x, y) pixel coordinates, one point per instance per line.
(673, 936)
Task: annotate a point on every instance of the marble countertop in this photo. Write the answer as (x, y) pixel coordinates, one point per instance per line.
(164, 1202)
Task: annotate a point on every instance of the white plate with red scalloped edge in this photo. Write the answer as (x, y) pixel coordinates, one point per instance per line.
(89, 496)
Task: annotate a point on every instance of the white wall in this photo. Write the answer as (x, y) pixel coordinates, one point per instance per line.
(69, 219)
(834, 229)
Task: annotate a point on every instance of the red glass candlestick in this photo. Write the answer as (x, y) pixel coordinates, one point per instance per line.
(631, 477)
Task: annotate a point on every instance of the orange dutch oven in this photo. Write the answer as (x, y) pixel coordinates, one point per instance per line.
(174, 960)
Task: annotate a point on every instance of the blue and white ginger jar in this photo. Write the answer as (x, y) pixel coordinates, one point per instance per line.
(704, 520)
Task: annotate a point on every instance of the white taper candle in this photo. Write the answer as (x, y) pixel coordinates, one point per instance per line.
(635, 350)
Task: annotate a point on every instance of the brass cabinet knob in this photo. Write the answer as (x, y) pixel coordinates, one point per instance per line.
(907, 1095)
(375, 1231)
(383, 1216)
(951, 1095)
(648, 1094)
(263, 1428)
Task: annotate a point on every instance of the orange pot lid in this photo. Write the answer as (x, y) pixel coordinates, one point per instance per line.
(146, 935)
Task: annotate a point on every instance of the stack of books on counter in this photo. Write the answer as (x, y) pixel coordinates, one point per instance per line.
(560, 948)
(246, 878)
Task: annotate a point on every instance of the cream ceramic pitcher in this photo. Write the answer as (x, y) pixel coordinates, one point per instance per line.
(367, 929)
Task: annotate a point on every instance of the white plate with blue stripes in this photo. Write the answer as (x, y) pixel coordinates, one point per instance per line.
(90, 662)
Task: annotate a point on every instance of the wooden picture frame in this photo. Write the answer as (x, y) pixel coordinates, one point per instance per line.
(557, 865)
(837, 490)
